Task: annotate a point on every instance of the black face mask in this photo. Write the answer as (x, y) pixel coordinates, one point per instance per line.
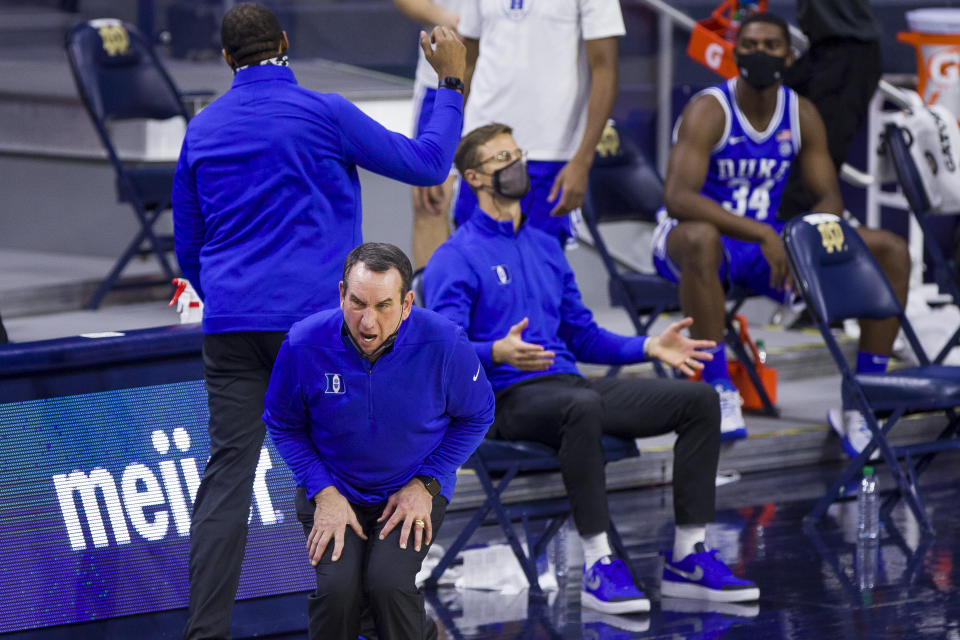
(512, 181)
(760, 69)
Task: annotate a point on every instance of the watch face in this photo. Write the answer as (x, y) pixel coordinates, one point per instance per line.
(431, 484)
(452, 83)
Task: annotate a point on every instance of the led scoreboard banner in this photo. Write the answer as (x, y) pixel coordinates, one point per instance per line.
(102, 447)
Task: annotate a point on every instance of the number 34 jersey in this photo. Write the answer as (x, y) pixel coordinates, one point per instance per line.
(749, 168)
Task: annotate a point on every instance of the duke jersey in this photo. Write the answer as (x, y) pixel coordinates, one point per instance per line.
(749, 168)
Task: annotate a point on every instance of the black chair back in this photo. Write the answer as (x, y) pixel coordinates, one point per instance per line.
(623, 184)
(118, 73)
(836, 272)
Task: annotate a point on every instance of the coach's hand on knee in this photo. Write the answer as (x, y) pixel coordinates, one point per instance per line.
(331, 517)
(411, 506)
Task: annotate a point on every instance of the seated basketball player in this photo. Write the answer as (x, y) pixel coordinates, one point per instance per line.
(735, 145)
(509, 286)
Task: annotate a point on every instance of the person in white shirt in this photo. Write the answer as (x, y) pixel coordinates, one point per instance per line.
(431, 205)
(547, 68)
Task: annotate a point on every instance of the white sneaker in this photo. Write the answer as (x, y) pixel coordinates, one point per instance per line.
(732, 426)
(852, 428)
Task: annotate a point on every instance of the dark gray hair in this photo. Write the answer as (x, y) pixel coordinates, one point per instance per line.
(380, 257)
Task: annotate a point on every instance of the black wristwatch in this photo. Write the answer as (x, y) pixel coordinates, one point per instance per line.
(433, 487)
(451, 82)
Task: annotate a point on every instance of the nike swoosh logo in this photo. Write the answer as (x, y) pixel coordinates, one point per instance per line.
(593, 583)
(696, 576)
(735, 139)
(477, 374)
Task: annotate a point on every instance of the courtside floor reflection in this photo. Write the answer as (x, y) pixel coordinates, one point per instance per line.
(815, 583)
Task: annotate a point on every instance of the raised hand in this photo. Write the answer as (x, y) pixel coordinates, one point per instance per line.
(447, 56)
(525, 356)
(677, 350)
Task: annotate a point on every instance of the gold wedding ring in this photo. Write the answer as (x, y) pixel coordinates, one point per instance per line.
(419, 523)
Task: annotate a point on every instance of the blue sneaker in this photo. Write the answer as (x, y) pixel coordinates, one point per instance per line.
(703, 576)
(608, 587)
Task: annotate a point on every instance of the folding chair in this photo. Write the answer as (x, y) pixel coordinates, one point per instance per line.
(497, 463)
(625, 187)
(840, 279)
(119, 77)
(916, 195)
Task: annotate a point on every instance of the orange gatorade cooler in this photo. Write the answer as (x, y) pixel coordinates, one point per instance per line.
(935, 34)
(711, 41)
(741, 379)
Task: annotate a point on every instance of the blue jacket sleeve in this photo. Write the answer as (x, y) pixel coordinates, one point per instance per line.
(586, 340)
(285, 416)
(188, 225)
(423, 161)
(450, 287)
(470, 406)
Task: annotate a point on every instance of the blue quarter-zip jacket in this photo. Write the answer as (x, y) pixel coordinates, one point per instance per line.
(422, 408)
(266, 198)
(486, 278)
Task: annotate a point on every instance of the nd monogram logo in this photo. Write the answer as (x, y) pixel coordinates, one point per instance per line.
(609, 144)
(831, 234)
(116, 40)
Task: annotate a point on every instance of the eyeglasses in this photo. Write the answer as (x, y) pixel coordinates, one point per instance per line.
(505, 156)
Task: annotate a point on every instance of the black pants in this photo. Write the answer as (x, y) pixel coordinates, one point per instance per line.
(839, 77)
(3, 333)
(237, 369)
(571, 414)
(372, 575)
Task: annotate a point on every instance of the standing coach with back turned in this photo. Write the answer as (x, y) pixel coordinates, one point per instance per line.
(266, 204)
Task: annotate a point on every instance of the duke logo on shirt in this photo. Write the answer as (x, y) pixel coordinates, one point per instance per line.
(516, 9)
(335, 384)
(503, 273)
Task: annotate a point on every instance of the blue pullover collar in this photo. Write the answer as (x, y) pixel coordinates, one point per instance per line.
(496, 227)
(260, 73)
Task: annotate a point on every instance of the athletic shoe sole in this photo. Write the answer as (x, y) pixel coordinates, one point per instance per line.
(699, 592)
(733, 434)
(590, 601)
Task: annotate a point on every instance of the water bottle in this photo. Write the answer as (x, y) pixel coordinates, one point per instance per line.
(868, 506)
(559, 551)
(762, 351)
(868, 550)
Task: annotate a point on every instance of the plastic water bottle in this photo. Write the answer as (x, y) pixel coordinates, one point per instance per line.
(868, 550)
(559, 552)
(868, 506)
(762, 351)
